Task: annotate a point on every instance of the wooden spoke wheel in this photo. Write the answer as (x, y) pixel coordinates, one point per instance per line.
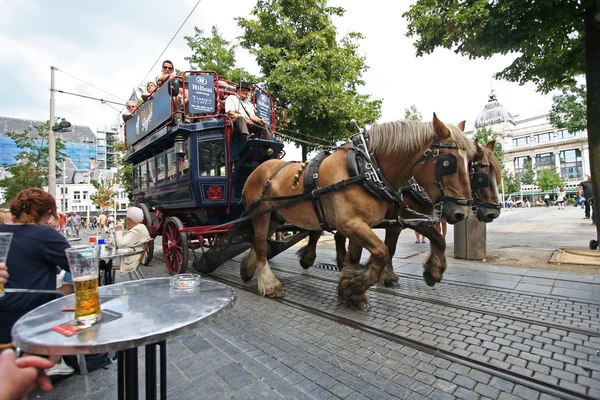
(175, 246)
(149, 254)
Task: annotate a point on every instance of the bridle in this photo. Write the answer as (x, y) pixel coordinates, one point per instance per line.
(445, 164)
(480, 180)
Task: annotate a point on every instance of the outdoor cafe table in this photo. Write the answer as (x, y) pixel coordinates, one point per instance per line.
(152, 313)
(107, 255)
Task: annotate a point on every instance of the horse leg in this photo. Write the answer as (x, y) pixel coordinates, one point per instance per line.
(436, 264)
(354, 280)
(268, 284)
(340, 249)
(389, 277)
(308, 253)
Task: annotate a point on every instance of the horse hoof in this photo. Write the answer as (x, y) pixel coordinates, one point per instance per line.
(277, 293)
(392, 284)
(306, 264)
(428, 278)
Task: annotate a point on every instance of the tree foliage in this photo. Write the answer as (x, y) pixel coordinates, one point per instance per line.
(511, 183)
(484, 136)
(528, 174)
(31, 169)
(549, 179)
(307, 69)
(216, 54)
(125, 174)
(104, 197)
(547, 36)
(412, 114)
(569, 109)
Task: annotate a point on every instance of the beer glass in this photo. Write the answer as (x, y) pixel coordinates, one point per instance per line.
(5, 239)
(83, 261)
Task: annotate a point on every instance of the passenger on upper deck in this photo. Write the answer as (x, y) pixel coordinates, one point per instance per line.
(168, 71)
(131, 107)
(150, 88)
(241, 110)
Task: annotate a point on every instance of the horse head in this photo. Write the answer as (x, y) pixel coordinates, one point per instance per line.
(485, 176)
(443, 171)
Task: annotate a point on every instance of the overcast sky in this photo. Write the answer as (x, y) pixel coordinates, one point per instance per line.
(113, 44)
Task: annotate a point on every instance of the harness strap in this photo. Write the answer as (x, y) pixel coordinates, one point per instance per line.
(311, 182)
(267, 184)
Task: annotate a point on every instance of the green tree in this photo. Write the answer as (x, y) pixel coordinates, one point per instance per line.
(31, 169)
(125, 175)
(104, 197)
(568, 109)
(511, 183)
(484, 136)
(214, 53)
(554, 41)
(549, 179)
(412, 114)
(528, 175)
(307, 70)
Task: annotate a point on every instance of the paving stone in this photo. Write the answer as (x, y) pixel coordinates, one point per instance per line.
(463, 393)
(257, 390)
(193, 367)
(502, 384)
(326, 382)
(445, 386)
(213, 387)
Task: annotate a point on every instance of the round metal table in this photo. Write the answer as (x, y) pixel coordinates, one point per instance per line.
(152, 312)
(107, 255)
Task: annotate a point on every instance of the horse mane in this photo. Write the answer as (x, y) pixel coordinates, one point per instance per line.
(407, 137)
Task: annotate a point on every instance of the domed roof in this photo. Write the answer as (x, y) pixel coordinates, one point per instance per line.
(493, 113)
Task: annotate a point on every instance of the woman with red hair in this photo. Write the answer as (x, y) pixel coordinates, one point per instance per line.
(35, 251)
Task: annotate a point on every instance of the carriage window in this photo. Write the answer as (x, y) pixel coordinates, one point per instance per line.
(136, 176)
(172, 166)
(212, 158)
(160, 169)
(184, 163)
(151, 173)
(143, 174)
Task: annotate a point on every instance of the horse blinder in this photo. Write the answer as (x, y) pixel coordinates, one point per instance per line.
(446, 164)
(479, 180)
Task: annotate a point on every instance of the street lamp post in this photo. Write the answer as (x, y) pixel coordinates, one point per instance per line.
(51, 141)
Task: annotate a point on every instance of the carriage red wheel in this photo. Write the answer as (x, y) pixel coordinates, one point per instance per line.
(148, 222)
(175, 246)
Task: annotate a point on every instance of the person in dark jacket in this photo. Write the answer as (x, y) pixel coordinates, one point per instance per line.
(35, 252)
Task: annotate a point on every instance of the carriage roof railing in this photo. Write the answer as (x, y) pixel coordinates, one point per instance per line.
(201, 96)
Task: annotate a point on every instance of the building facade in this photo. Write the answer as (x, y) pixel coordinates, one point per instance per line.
(535, 140)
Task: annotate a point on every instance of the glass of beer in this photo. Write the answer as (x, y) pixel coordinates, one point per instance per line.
(83, 261)
(5, 239)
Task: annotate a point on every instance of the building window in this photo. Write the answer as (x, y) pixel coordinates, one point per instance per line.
(520, 165)
(85, 195)
(77, 195)
(123, 206)
(545, 161)
(543, 137)
(522, 141)
(143, 175)
(64, 190)
(571, 166)
(564, 134)
(212, 157)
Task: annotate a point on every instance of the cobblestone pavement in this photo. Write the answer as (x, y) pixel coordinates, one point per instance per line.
(464, 338)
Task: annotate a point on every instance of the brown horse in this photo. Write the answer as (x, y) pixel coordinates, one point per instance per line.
(353, 210)
(486, 202)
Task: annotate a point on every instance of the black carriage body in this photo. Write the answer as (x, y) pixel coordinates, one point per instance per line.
(185, 191)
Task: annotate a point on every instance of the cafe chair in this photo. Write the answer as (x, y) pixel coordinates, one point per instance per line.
(137, 273)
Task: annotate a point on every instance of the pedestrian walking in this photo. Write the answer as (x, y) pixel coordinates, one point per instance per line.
(561, 199)
(586, 190)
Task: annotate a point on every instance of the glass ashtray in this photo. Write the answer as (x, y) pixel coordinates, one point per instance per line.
(185, 281)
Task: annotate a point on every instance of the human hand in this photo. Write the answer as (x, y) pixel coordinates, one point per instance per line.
(119, 227)
(19, 376)
(3, 273)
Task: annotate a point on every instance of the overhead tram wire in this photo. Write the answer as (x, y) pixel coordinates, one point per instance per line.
(88, 97)
(168, 44)
(90, 84)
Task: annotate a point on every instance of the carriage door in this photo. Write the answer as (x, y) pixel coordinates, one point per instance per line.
(212, 171)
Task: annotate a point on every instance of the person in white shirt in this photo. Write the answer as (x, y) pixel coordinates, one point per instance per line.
(240, 109)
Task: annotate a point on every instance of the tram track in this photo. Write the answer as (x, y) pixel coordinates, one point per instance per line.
(531, 382)
(429, 299)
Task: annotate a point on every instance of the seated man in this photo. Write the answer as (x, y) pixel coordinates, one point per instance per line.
(136, 235)
(241, 110)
